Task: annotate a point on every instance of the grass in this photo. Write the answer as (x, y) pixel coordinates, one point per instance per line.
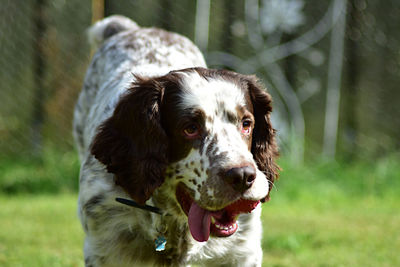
(348, 231)
(40, 230)
(52, 172)
(331, 214)
(320, 214)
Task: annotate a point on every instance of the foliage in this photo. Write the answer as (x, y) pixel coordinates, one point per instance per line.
(52, 172)
(340, 178)
(57, 171)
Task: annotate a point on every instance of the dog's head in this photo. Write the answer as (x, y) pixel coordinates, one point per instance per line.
(206, 133)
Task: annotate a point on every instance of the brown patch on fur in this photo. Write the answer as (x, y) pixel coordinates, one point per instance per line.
(137, 157)
(264, 147)
(196, 171)
(212, 146)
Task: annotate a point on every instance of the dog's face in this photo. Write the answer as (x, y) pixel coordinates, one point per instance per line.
(204, 134)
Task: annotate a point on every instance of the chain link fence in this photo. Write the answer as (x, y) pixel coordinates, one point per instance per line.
(43, 54)
(296, 47)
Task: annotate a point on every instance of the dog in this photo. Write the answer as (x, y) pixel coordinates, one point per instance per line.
(192, 148)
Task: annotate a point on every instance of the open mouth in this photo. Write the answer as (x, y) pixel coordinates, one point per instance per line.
(203, 222)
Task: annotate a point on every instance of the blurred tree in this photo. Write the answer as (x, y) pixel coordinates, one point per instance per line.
(335, 64)
(228, 44)
(289, 63)
(202, 24)
(165, 15)
(109, 7)
(350, 99)
(39, 65)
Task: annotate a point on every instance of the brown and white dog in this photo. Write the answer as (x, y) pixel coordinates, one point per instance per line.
(153, 124)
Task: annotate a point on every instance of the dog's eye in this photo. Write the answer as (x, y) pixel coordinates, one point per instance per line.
(246, 127)
(192, 130)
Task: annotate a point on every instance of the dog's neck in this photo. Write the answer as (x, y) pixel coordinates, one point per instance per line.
(172, 225)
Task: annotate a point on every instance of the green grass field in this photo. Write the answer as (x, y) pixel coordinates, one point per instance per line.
(320, 215)
(40, 230)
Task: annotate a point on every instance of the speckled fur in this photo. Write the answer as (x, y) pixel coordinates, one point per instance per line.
(118, 235)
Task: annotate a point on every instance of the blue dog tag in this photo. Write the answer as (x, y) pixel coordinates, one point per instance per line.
(160, 243)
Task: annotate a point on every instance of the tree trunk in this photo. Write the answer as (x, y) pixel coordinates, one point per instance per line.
(334, 80)
(228, 41)
(289, 63)
(108, 8)
(352, 78)
(166, 14)
(39, 72)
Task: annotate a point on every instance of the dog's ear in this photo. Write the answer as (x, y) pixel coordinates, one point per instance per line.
(263, 147)
(132, 143)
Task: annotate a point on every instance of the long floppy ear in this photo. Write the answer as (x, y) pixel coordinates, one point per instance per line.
(263, 147)
(132, 144)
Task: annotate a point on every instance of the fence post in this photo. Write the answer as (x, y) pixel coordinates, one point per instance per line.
(334, 81)
(97, 10)
(202, 24)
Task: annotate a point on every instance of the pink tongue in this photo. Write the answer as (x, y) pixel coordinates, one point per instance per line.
(199, 222)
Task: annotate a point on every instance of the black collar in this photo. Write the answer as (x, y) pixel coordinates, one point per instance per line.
(137, 205)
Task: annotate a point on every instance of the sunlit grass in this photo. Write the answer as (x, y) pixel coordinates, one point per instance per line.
(352, 231)
(44, 230)
(331, 214)
(320, 214)
(40, 230)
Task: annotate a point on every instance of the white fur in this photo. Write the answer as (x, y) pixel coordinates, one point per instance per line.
(205, 94)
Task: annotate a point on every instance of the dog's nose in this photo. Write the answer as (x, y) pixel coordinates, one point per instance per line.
(240, 178)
